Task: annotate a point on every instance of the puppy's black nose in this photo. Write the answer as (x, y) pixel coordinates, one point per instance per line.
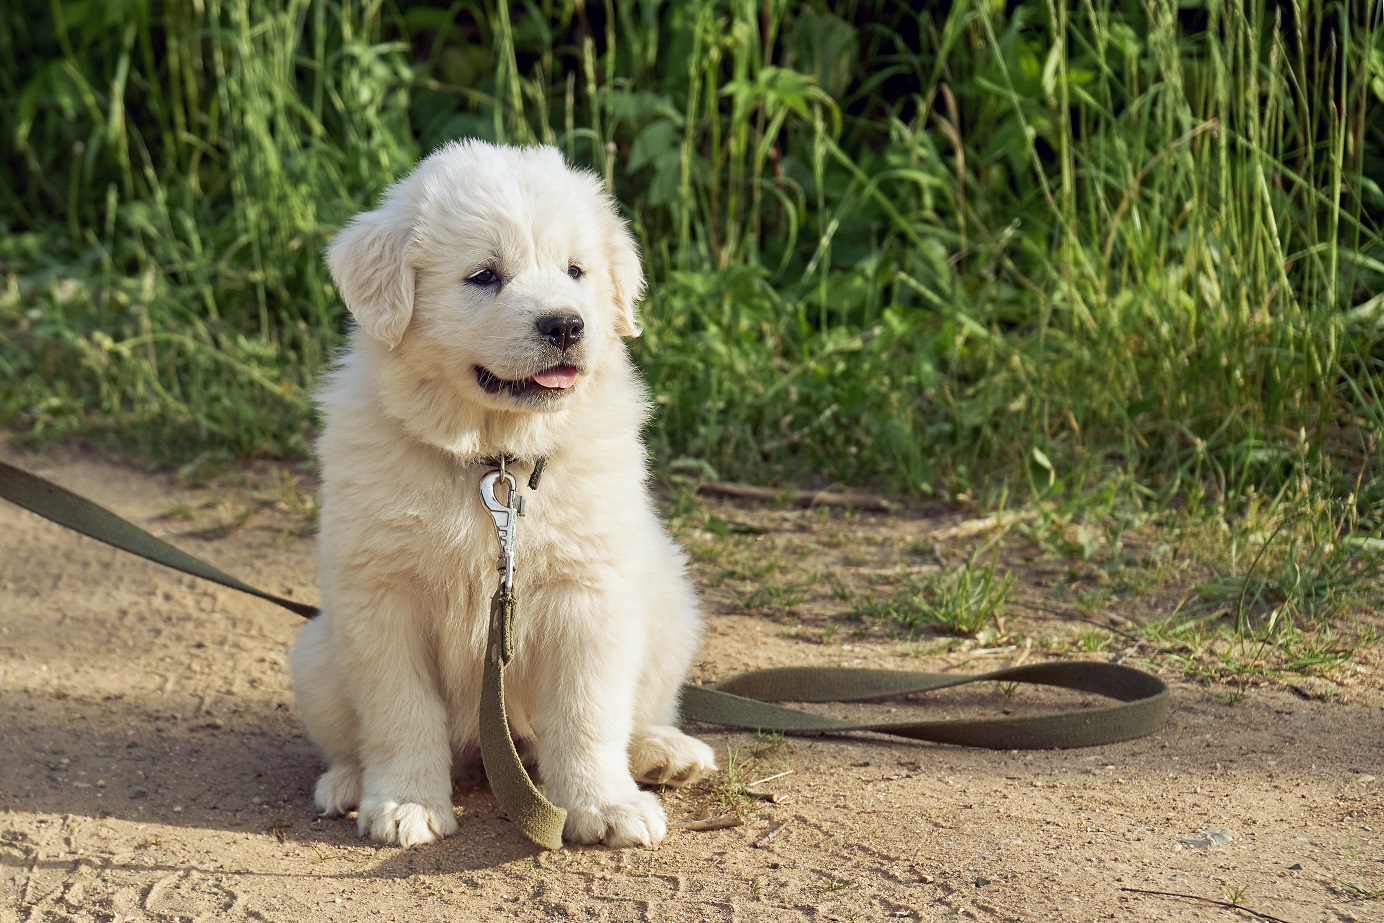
(562, 330)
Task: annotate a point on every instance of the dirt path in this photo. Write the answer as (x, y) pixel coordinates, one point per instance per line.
(152, 768)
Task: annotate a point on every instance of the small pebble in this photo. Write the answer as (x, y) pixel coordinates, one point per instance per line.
(1207, 837)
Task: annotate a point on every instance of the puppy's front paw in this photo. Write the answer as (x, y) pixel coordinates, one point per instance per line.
(662, 755)
(405, 824)
(636, 820)
(338, 791)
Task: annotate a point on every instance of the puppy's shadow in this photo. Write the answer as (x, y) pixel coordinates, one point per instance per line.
(251, 772)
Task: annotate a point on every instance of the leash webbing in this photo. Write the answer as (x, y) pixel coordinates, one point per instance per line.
(742, 701)
(528, 808)
(81, 515)
(535, 816)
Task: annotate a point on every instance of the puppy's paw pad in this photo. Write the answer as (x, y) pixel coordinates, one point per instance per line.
(667, 756)
(406, 823)
(634, 821)
(338, 791)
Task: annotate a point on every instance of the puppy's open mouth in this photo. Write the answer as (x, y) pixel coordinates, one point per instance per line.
(556, 380)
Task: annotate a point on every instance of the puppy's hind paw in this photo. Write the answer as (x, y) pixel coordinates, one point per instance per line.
(634, 821)
(407, 823)
(338, 791)
(662, 755)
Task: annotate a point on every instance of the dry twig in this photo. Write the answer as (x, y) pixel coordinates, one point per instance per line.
(711, 823)
(977, 526)
(772, 832)
(857, 501)
(1208, 900)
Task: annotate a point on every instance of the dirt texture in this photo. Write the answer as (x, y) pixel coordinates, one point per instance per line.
(152, 767)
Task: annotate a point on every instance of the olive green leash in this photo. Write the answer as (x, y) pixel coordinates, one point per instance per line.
(1139, 709)
(79, 514)
(741, 701)
(539, 819)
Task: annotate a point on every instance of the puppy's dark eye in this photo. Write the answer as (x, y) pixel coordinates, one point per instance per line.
(575, 271)
(485, 276)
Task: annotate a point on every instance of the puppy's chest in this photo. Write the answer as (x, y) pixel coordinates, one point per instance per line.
(556, 539)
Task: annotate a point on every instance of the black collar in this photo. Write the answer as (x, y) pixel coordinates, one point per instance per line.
(509, 461)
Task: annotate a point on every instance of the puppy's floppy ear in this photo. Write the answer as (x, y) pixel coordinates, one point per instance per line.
(626, 276)
(370, 261)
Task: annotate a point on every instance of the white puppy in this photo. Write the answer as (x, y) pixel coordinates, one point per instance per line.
(490, 290)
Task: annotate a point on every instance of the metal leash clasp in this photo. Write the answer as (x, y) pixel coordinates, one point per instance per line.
(505, 513)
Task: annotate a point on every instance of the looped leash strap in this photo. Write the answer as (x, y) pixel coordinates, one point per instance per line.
(742, 701)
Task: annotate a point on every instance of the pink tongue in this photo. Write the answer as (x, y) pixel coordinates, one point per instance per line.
(561, 377)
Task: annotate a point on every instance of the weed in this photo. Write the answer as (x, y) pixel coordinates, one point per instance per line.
(1232, 695)
(729, 790)
(767, 744)
(958, 601)
(291, 496)
(1091, 641)
(239, 517)
(1359, 890)
(767, 595)
(178, 509)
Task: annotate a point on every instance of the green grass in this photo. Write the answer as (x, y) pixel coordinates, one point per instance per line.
(959, 601)
(1118, 259)
(1355, 889)
(172, 182)
(730, 789)
(1289, 577)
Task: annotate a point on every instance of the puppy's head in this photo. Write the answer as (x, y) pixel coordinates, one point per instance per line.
(499, 268)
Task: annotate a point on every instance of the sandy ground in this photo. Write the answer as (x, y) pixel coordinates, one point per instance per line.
(152, 768)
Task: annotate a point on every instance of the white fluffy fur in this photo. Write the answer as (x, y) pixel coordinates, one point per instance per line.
(387, 678)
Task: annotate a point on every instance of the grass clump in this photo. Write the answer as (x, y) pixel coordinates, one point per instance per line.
(960, 601)
(1289, 577)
